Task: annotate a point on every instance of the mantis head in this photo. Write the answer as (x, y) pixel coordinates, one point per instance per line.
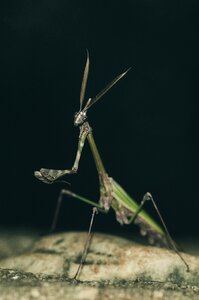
(80, 118)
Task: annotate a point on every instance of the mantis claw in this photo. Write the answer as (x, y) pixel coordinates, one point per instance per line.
(49, 175)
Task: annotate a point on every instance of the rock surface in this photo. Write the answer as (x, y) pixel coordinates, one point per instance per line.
(13, 241)
(114, 268)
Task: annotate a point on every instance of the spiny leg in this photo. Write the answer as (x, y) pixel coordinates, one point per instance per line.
(50, 175)
(170, 241)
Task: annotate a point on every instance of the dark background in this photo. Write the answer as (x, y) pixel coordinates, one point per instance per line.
(145, 127)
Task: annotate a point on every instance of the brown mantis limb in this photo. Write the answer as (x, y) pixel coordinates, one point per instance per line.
(50, 175)
(170, 241)
(86, 245)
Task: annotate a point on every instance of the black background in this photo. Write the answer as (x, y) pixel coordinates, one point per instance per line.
(145, 127)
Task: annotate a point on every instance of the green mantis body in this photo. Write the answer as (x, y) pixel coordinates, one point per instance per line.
(112, 195)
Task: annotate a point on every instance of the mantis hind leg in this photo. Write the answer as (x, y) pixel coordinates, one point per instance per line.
(168, 237)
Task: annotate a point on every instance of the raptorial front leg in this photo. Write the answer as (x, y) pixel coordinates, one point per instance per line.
(50, 175)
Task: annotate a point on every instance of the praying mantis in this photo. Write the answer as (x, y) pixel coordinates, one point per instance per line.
(112, 195)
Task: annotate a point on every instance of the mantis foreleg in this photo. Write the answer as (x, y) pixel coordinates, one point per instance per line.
(50, 175)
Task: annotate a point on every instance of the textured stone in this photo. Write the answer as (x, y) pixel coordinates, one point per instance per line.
(115, 268)
(13, 242)
(109, 258)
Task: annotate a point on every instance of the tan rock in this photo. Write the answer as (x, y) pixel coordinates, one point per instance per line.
(109, 259)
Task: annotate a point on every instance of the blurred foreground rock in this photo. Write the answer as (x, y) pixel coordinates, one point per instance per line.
(114, 268)
(16, 241)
